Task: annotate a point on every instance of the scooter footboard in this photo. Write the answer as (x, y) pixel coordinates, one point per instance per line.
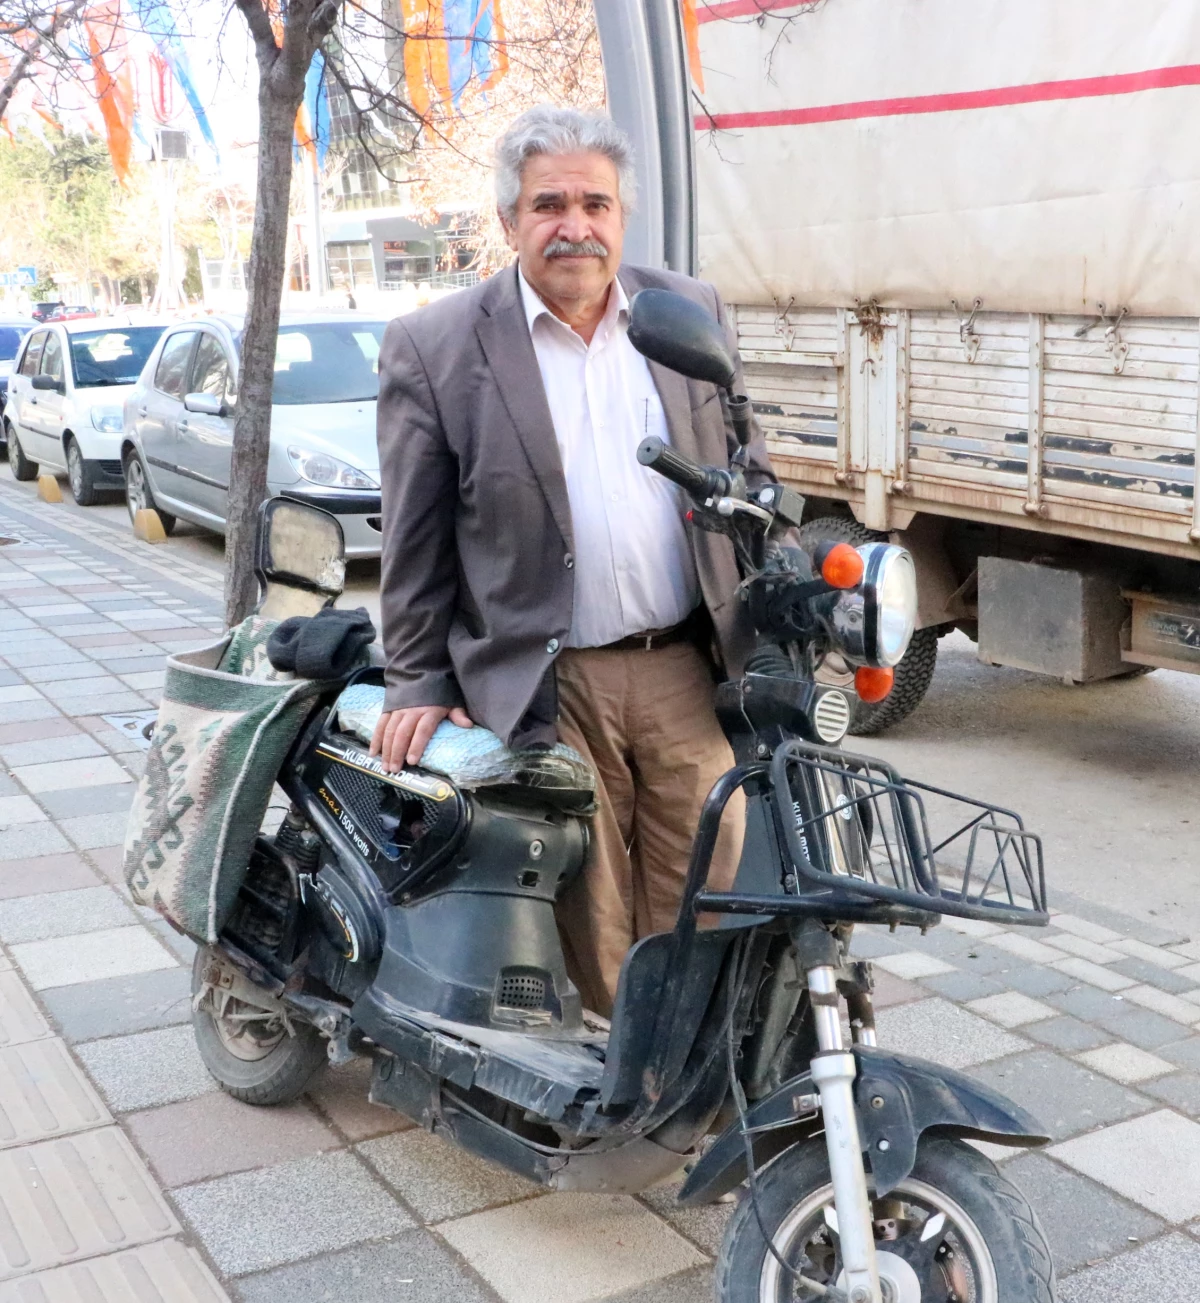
(898, 1098)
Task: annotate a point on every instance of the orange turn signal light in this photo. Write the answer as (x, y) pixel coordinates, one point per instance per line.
(873, 684)
(842, 567)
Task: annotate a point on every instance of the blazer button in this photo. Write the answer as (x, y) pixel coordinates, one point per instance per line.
(569, 561)
(552, 646)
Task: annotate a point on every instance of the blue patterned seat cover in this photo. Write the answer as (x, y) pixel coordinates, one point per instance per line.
(472, 757)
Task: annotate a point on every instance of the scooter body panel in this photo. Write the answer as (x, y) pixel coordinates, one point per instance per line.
(914, 1096)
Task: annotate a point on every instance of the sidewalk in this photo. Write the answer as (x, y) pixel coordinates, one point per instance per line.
(124, 1174)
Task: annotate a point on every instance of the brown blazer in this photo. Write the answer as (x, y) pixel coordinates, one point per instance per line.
(477, 580)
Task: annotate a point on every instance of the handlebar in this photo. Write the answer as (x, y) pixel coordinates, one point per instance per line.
(699, 481)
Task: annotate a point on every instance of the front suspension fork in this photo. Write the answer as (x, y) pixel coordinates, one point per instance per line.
(833, 1075)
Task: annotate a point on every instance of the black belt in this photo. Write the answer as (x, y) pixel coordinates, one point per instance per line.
(654, 639)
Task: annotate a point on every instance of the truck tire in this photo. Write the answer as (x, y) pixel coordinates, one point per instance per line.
(915, 671)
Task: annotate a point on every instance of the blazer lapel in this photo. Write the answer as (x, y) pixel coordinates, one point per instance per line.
(504, 336)
(672, 388)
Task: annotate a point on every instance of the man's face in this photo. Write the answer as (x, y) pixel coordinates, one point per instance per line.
(569, 226)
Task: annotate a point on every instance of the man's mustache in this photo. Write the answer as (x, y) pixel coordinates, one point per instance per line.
(574, 249)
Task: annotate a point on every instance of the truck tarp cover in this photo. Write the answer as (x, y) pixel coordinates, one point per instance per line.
(1040, 155)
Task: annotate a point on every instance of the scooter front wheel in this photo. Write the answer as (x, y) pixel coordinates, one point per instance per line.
(954, 1231)
(251, 1053)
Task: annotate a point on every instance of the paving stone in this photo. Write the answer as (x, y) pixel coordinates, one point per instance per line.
(17, 692)
(120, 1005)
(1094, 974)
(590, 1245)
(1152, 1160)
(1012, 1009)
(20, 1018)
(147, 1068)
(1065, 1097)
(113, 952)
(112, 799)
(109, 862)
(1164, 1270)
(88, 771)
(97, 685)
(61, 913)
(1158, 955)
(941, 1031)
(1174, 982)
(45, 873)
(93, 1183)
(173, 1272)
(20, 712)
(911, 964)
(250, 1221)
(62, 671)
(437, 1179)
(704, 1225)
(1088, 1003)
(694, 1286)
(891, 990)
(94, 830)
(1181, 1090)
(1083, 1221)
(1083, 948)
(73, 746)
(1141, 1027)
(217, 1134)
(17, 810)
(870, 942)
(1124, 1063)
(1170, 1006)
(43, 1093)
(963, 986)
(1067, 1034)
(183, 947)
(1190, 971)
(983, 957)
(34, 730)
(1036, 981)
(412, 1267)
(341, 1094)
(1125, 925)
(1185, 1052)
(77, 707)
(27, 841)
(1033, 952)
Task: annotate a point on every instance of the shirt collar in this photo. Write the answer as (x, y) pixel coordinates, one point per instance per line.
(535, 308)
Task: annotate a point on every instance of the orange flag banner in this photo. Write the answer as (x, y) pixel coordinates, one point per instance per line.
(426, 54)
(114, 81)
(691, 32)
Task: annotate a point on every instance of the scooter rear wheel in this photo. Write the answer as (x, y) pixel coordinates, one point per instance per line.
(987, 1247)
(253, 1058)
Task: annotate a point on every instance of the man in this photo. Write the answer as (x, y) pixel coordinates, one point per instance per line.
(535, 578)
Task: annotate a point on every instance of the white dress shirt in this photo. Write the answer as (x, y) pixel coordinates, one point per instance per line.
(634, 568)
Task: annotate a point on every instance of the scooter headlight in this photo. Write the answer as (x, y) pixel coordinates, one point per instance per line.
(874, 622)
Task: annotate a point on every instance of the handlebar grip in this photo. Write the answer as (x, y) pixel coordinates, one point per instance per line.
(699, 481)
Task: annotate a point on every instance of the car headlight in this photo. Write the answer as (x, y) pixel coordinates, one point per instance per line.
(108, 420)
(874, 622)
(321, 468)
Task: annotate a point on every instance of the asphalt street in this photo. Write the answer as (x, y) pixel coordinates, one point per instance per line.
(1105, 772)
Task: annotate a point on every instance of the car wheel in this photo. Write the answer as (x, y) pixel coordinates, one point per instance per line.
(22, 467)
(81, 475)
(138, 494)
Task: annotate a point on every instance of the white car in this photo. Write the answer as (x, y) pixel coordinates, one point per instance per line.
(65, 401)
(178, 441)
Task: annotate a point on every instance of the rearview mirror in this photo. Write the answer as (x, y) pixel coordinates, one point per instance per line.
(680, 335)
(301, 564)
(205, 405)
(48, 384)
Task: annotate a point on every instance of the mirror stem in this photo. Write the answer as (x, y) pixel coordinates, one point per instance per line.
(740, 413)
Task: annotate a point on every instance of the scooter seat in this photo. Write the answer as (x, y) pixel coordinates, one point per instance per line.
(475, 757)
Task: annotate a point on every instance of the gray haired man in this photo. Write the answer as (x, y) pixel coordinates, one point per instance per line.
(536, 579)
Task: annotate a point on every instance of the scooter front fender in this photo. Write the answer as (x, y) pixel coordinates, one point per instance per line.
(898, 1098)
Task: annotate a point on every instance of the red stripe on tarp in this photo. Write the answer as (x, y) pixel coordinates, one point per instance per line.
(1125, 83)
(745, 8)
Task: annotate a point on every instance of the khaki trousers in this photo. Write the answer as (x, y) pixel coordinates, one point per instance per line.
(645, 721)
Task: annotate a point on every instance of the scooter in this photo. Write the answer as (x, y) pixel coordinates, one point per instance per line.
(409, 917)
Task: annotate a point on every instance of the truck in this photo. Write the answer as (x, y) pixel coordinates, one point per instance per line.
(961, 271)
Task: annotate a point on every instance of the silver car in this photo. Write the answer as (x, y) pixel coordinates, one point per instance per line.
(178, 440)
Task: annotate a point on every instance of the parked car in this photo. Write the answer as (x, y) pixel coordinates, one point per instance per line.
(12, 332)
(65, 396)
(48, 310)
(178, 440)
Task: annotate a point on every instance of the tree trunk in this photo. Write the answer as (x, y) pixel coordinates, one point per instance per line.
(252, 425)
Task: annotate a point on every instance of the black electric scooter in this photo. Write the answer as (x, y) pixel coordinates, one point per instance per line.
(409, 918)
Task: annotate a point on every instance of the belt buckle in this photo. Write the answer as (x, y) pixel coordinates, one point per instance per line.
(649, 642)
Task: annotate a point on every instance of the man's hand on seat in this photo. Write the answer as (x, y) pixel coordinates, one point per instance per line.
(401, 736)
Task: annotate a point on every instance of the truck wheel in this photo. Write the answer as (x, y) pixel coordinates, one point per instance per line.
(915, 671)
(22, 467)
